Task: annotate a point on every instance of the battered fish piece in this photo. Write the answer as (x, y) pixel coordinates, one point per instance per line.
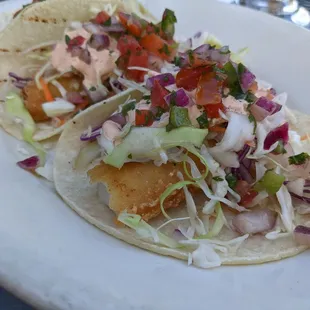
(136, 187)
(34, 97)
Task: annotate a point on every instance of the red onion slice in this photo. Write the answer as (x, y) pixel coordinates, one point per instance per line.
(279, 133)
(302, 198)
(18, 78)
(302, 235)
(86, 136)
(164, 79)
(246, 80)
(268, 105)
(29, 164)
(118, 118)
(99, 41)
(113, 28)
(258, 112)
(203, 50)
(178, 98)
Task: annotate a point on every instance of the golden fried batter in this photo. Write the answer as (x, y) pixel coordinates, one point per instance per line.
(34, 97)
(136, 187)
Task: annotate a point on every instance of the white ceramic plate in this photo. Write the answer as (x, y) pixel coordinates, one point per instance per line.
(53, 259)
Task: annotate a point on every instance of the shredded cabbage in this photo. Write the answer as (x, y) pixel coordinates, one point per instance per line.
(134, 85)
(238, 132)
(287, 211)
(169, 190)
(57, 107)
(214, 41)
(218, 224)
(40, 73)
(14, 106)
(145, 230)
(195, 221)
(239, 55)
(206, 256)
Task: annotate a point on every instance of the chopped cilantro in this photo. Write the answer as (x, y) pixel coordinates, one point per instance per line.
(160, 111)
(146, 97)
(129, 106)
(107, 22)
(130, 156)
(203, 120)
(299, 159)
(173, 97)
(67, 39)
(217, 179)
(191, 58)
(177, 61)
(93, 88)
(250, 97)
(233, 81)
(165, 49)
(253, 120)
(231, 180)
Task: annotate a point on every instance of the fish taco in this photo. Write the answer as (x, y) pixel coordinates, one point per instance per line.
(76, 64)
(204, 163)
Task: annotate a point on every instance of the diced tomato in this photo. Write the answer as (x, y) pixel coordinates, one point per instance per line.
(138, 58)
(247, 194)
(132, 24)
(74, 42)
(213, 110)
(188, 78)
(242, 187)
(248, 197)
(123, 18)
(102, 17)
(127, 44)
(209, 94)
(158, 46)
(122, 62)
(144, 118)
(158, 94)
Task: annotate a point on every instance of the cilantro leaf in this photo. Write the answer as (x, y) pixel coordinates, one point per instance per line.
(299, 159)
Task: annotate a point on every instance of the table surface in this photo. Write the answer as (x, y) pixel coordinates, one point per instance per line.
(10, 302)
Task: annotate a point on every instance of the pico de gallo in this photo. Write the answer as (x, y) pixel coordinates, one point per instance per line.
(210, 107)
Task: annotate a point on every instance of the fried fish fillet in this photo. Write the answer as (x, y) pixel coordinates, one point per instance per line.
(34, 97)
(136, 187)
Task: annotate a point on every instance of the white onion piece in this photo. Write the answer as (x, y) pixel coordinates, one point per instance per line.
(302, 235)
(296, 186)
(254, 222)
(57, 108)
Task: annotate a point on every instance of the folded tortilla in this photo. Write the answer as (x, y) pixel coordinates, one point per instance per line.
(45, 22)
(75, 188)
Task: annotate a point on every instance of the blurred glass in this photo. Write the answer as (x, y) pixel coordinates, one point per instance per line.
(275, 7)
